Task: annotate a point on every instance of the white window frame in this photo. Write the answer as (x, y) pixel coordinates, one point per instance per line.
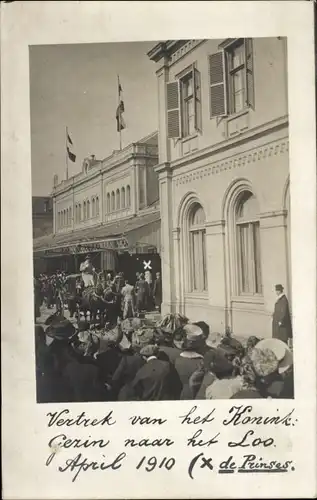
(226, 48)
(251, 269)
(229, 72)
(181, 78)
(189, 230)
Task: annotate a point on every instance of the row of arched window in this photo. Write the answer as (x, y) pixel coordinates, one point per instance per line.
(119, 199)
(87, 210)
(244, 243)
(64, 217)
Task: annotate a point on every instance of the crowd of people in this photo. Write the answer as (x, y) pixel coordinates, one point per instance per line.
(105, 293)
(133, 361)
(119, 355)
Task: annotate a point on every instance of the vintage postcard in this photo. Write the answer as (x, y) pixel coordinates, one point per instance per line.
(159, 250)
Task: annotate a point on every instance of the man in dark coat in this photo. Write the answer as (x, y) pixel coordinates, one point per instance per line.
(157, 292)
(281, 325)
(142, 290)
(156, 380)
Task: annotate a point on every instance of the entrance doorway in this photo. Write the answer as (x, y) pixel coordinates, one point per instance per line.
(138, 263)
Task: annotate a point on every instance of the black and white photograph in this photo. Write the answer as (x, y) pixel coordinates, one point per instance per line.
(161, 220)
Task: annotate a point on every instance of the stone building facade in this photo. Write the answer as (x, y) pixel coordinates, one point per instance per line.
(224, 179)
(111, 207)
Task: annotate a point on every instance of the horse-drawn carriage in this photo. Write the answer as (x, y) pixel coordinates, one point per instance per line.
(93, 303)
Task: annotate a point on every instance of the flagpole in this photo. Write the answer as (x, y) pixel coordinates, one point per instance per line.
(66, 153)
(119, 103)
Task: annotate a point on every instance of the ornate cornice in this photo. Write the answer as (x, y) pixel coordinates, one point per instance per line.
(173, 50)
(260, 153)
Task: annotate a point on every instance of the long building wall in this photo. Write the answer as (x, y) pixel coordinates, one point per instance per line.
(224, 185)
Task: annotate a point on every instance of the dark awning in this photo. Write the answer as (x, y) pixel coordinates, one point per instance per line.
(114, 236)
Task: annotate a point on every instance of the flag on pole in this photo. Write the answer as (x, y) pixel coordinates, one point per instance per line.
(71, 155)
(120, 110)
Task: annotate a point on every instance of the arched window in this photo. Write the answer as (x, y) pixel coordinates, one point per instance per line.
(128, 197)
(197, 248)
(93, 208)
(122, 197)
(118, 205)
(85, 210)
(97, 206)
(70, 215)
(79, 212)
(88, 209)
(58, 220)
(113, 202)
(108, 203)
(247, 228)
(64, 222)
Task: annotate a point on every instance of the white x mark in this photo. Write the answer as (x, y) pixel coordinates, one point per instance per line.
(147, 265)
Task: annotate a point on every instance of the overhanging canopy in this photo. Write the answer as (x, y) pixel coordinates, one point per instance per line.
(124, 234)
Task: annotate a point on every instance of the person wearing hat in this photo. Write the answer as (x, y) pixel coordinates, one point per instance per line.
(80, 376)
(44, 368)
(226, 382)
(275, 380)
(167, 349)
(157, 292)
(281, 324)
(267, 371)
(191, 356)
(87, 270)
(156, 380)
(142, 292)
(131, 361)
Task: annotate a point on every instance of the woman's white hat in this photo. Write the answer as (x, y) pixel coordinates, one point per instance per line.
(281, 350)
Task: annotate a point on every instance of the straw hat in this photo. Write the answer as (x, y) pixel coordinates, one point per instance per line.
(194, 336)
(281, 351)
(264, 361)
(214, 339)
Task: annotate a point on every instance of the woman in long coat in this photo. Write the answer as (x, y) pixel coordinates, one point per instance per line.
(281, 325)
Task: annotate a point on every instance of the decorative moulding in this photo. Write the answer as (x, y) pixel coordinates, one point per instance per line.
(251, 156)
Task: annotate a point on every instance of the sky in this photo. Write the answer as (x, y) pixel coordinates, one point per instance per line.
(76, 86)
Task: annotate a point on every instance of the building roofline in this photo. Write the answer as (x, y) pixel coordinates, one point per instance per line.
(147, 137)
(117, 158)
(165, 48)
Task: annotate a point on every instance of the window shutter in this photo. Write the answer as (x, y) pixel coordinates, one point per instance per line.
(173, 114)
(217, 80)
(249, 72)
(197, 90)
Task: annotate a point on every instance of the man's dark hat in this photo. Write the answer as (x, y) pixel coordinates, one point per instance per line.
(54, 318)
(63, 330)
(233, 344)
(279, 288)
(217, 363)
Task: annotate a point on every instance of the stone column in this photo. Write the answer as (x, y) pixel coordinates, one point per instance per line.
(54, 216)
(134, 194)
(103, 201)
(179, 292)
(73, 207)
(167, 250)
(216, 272)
